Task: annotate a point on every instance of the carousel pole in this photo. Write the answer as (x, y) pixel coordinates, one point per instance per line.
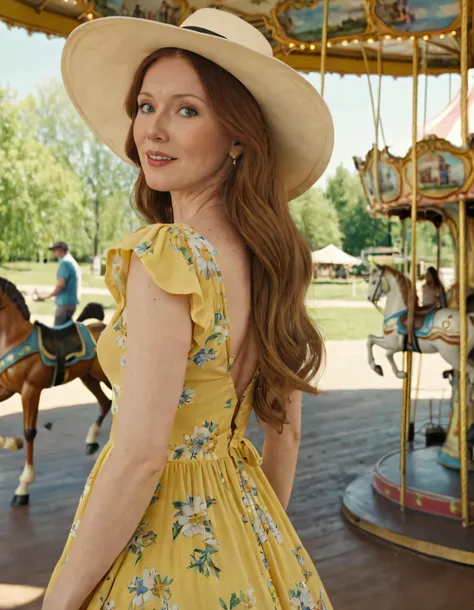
(324, 45)
(463, 277)
(412, 304)
(438, 249)
(376, 169)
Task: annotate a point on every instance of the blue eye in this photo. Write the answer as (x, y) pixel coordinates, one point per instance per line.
(188, 112)
(146, 108)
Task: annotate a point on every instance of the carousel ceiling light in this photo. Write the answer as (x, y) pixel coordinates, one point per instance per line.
(453, 33)
(441, 36)
(302, 47)
(412, 38)
(399, 38)
(426, 37)
(345, 43)
(291, 45)
(90, 16)
(370, 41)
(356, 41)
(388, 37)
(329, 44)
(312, 47)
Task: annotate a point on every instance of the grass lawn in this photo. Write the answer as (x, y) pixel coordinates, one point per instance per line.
(47, 308)
(44, 275)
(327, 290)
(339, 324)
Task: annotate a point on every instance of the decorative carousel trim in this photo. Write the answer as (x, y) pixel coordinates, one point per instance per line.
(414, 544)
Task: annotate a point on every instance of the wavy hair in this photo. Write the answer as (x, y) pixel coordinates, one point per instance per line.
(290, 348)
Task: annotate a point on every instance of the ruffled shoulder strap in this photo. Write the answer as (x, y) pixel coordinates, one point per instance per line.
(178, 260)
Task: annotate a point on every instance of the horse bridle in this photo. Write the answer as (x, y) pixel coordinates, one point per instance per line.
(374, 300)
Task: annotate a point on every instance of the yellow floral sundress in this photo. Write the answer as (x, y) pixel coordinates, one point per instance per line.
(214, 535)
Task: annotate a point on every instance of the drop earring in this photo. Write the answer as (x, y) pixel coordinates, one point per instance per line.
(234, 162)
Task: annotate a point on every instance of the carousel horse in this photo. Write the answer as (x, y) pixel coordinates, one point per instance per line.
(34, 357)
(435, 329)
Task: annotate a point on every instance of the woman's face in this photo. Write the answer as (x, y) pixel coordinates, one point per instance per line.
(181, 144)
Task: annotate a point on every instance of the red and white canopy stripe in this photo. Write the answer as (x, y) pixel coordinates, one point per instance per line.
(447, 123)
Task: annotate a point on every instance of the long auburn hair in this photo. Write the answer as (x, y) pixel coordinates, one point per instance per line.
(291, 349)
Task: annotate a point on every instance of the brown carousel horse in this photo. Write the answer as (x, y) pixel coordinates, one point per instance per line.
(34, 357)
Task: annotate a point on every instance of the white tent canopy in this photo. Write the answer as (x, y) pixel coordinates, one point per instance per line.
(447, 123)
(332, 255)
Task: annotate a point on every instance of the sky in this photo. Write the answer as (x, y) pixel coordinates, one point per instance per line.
(27, 60)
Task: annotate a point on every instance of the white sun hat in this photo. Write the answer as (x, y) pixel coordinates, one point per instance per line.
(100, 59)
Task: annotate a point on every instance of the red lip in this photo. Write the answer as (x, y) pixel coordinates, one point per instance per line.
(155, 162)
(158, 153)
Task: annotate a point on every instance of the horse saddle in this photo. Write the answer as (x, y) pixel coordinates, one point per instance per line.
(60, 344)
(422, 315)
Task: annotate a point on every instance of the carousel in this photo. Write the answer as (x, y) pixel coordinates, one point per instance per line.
(421, 496)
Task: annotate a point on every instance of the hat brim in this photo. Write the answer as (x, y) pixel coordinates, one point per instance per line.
(101, 57)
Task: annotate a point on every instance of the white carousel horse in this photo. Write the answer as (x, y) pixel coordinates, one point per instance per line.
(436, 329)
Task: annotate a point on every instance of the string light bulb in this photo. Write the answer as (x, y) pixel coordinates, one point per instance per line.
(441, 36)
(329, 45)
(344, 43)
(291, 45)
(302, 47)
(90, 16)
(426, 37)
(312, 47)
(388, 37)
(370, 41)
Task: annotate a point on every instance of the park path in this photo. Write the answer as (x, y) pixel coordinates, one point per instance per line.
(28, 290)
(346, 369)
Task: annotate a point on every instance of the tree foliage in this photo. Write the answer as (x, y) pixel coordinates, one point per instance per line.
(358, 228)
(316, 218)
(37, 193)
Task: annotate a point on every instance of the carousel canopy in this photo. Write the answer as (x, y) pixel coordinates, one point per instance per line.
(447, 123)
(332, 255)
(357, 30)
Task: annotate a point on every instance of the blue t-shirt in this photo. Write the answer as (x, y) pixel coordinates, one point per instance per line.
(69, 295)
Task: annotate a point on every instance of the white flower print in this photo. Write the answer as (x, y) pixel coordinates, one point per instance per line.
(74, 528)
(200, 445)
(110, 605)
(193, 519)
(115, 398)
(301, 597)
(86, 490)
(144, 248)
(187, 396)
(249, 601)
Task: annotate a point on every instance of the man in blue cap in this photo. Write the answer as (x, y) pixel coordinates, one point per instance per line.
(68, 284)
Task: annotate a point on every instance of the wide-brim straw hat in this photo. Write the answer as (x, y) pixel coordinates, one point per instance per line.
(100, 59)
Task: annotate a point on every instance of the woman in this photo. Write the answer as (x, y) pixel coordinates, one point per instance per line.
(433, 290)
(180, 511)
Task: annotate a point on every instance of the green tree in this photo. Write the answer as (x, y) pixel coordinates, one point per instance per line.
(359, 229)
(106, 181)
(316, 218)
(36, 191)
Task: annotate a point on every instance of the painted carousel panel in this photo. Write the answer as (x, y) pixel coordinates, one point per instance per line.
(418, 15)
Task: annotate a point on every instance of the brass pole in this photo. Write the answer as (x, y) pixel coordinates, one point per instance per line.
(324, 45)
(412, 303)
(376, 169)
(438, 249)
(425, 69)
(463, 277)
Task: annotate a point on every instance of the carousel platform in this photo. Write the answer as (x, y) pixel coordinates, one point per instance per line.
(431, 522)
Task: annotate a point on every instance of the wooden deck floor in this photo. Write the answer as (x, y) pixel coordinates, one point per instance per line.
(345, 432)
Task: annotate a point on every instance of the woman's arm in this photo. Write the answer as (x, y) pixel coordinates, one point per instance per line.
(280, 451)
(159, 333)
